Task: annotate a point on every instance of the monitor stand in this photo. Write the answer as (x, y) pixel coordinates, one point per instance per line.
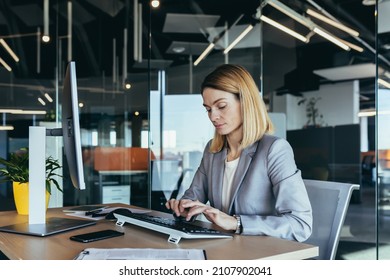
(38, 224)
(52, 226)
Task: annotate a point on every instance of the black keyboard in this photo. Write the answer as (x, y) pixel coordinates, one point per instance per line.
(174, 228)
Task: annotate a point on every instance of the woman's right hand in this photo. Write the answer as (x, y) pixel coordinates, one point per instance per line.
(176, 205)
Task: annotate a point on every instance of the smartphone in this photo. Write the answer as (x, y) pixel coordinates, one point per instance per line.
(96, 235)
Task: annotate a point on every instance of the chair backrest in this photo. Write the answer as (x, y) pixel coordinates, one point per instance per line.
(329, 201)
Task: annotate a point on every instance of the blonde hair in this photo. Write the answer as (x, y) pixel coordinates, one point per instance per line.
(237, 80)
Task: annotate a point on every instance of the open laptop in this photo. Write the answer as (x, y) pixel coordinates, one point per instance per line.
(52, 226)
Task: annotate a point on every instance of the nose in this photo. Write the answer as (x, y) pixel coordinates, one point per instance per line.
(213, 115)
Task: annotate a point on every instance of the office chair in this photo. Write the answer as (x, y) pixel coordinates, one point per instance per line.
(167, 182)
(329, 202)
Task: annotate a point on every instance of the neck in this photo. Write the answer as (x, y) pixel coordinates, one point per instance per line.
(234, 151)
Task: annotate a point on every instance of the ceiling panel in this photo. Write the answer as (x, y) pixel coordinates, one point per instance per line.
(189, 23)
(349, 72)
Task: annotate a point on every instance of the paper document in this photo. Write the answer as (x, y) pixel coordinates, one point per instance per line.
(141, 254)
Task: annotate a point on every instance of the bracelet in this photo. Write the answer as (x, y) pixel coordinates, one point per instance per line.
(239, 225)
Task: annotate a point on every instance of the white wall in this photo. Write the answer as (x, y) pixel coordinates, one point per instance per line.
(339, 105)
(279, 122)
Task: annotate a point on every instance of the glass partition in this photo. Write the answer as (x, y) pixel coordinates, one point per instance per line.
(108, 42)
(382, 133)
(139, 71)
(188, 40)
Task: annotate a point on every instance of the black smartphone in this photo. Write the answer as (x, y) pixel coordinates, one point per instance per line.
(96, 235)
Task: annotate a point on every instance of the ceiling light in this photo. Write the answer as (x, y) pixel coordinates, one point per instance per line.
(333, 23)
(41, 101)
(45, 37)
(367, 113)
(384, 83)
(289, 12)
(23, 112)
(178, 49)
(369, 2)
(6, 66)
(238, 39)
(10, 111)
(31, 112)
(127, 84)
(6, 127)
(284, 29)
(204, 53)
(352, 46)
(331, 38)
(307, 22)
(155, 3)
(48, 97)
(9, 50)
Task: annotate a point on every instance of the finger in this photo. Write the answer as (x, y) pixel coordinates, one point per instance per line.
(170, 204)
(183, 206)
(191, 203)
(195, 210)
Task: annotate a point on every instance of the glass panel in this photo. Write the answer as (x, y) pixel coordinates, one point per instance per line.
(99, 37)
(191, 37)
(314, 91)
(321, 88)
(383, 133)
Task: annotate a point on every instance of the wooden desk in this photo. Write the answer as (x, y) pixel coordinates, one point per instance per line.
(59, 247)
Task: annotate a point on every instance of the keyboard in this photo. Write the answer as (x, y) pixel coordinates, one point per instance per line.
(175, 229)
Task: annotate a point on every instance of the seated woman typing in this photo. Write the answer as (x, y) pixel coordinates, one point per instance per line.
(248, 176)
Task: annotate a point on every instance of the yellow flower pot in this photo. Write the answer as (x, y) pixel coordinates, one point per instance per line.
(21, 197)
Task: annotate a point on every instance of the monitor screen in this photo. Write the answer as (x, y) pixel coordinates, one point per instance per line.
(71, 127)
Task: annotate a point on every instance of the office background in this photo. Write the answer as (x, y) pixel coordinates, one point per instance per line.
(139, 69)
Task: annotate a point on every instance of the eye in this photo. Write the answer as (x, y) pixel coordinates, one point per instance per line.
(208, 110)
(222, 106)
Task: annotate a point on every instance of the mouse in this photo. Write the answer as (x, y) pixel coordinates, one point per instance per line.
(121, 211)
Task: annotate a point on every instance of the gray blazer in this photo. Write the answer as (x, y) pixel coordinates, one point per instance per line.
(269, 193)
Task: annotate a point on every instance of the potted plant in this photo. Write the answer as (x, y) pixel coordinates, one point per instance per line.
(314, 117)
(16, 170)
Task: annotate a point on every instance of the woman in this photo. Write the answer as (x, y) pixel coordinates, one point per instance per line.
(249, 177)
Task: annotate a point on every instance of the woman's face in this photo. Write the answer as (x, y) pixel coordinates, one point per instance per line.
(224, 111)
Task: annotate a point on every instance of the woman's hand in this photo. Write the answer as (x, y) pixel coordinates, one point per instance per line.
(188, 208)
(177, 207)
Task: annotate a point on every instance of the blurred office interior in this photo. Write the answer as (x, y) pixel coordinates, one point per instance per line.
(139, 67)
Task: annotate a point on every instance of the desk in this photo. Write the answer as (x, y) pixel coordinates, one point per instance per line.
(59, 247)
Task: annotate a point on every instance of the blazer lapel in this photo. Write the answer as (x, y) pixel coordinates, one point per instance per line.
(218, 167)
(242, 168)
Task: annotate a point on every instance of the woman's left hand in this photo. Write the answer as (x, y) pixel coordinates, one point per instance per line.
(214, 215)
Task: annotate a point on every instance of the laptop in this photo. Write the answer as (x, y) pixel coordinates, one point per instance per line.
(52, 226)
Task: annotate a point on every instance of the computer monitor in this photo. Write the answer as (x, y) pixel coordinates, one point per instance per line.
(71, 127)
(70, 132)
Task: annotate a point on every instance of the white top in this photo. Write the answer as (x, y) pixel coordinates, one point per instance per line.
(230, 170)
